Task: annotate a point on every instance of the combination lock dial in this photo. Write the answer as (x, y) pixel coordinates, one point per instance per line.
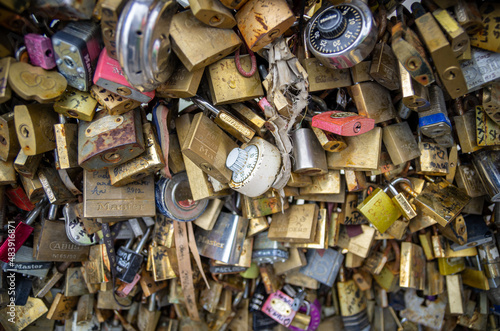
(342, 36)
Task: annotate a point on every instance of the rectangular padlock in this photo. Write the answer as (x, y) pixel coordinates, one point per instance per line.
(384, 66)
(110, 13)
(55, 189)
(189, 36)
(66, 143)
(181, 84)
(415, 96)
(76, 49)
(9, 147)
(33, 188)
(109, 75)
(413, 266)
(212, 13)
(110, 140)
(324, 184)
(343, 123)
(488, 131)
(101, 199)
(297, 224)
(208, 146)
(400, 142)
(5, 91)
(34, 127)
(373, 101)
(261, 22)
(491, 101)
(27, 166)
(40, 50)
(76, 104)
(227, 85)
(433, 160)
(144, 165)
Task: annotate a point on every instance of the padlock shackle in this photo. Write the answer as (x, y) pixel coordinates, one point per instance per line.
(32, 216)
(204, 104)
(143, 241)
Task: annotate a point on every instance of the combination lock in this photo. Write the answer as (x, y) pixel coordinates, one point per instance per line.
(342, 36)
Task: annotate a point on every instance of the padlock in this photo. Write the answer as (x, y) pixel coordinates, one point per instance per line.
(5, 90)
(458, 39)
(384, 66)
(76, 104)
(110, 13)
(27, 266)
(309, 156)
(109, 75)
(343, 123)
(433, 160)
(146, 26)
(434, 122)
(163, 259)
(456, 298)
(33, 188)
(75, 230)
(9, 144)
(129, 261)
(74, 285)
(468, 16)
(465, 127)
(446, 64)
(34, 127)
(328, 183)
(400, 201)
(54, 187)
(468, 179)
(415, 96)
(487, 129)
(485, 163)
(491, 102)
(113, 104)
(189, 36)
(352, 303)
(40, 50)
(97, 266)
(62, 307)
(202, 186)
(361, 72)
(490, 259)
(413, 266)
(479, 59)
(254, 167)
(363, 152)
(142, 166)
(95, 154)
(226, 121)
(329, 141)
(410, 51)
(227, 85)
(324, 268)
(66, 143)
(206, 153)
(266, 250)
(102, 200)
(296, 224)
(380, 210)
(400, 142)
(224, 243)
(182, 83)
(373, 101)
(350, 43)
(260, 23)
(23, 315)
(209, 298)
(212, 13)
(50, 245)
(41, 286)
(278, 306)
(35, 83)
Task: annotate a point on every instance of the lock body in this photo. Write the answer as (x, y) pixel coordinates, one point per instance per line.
(261, 22)
(40, 51)
(309, 156)
(324, 268)
(9, 147)
(400, 142)
(34, 126)
(433, 160)
(56, 191)
(322, 77)
(110, 13)
(486, 166)
(487, 129)
(384, 67)
(379, 209)
(110, 140)
(113, 103)
(296, 224)
(343, 123)
(212, 13)
(66, 145)
(5, 90)
(373, 101)
(76, 104)
(182, 83)
(189, 36)
(76, 49)
(413, 266)
(415, 96)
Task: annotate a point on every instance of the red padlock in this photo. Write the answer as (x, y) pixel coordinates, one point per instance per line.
(18, 197)
(343, 123)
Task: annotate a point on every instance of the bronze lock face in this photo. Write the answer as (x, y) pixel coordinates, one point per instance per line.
(182, 83)
(35, 128)
(9, 145)
(110, 140)
(76, 104)
(113, 103)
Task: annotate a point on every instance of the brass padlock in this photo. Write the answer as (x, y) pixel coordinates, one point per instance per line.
(328, 183)
(329, 141)
(35, 128)
(352, 303)
(491, 101)
(144, 165)
(362, 152)
(189, 36)
(289, 226)
(54, 187)
(380, 210)
(413, 266)
(361, 72)
(9, 144)
(444, 59)
(384, 66)
(181, 84)
(110, 13)
(76, 104)
(5, 91)
(433, 160)
(208, 146)
(487, 129)
(465, 127)
(113, 103)
(468, 16)
(227, 85)
(400, 142)
(249, 117)
(468, 179)
(373, 101)
(33, 188)
(66, 135)
(415, 96)
(110, 140)
(212, 13)
(27, 166)
(261, 22)
(163, 260)
(309, 156)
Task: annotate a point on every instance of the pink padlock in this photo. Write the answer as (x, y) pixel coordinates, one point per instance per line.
(40, 51)
(278, 306)
(343, 123)
(126, 288)
(109, 75)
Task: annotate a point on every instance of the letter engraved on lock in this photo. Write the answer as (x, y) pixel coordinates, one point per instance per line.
(237, 125)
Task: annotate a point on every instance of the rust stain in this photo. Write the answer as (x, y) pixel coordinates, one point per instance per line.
(261, 20)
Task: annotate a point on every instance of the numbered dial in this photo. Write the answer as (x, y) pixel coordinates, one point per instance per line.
(342, 36)
(242, 162)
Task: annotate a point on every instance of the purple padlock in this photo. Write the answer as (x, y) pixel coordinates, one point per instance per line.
(40, 50)
(315, 313)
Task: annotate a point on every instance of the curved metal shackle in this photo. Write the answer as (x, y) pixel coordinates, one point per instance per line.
(390, 187)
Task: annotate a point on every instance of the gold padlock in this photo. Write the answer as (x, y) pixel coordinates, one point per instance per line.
(175, 158)
(189, 41)
(373, 101)
(110, 13)
(329, 141)
(5, 91)
(491, 101)
(113, 103)
(212, 13)
(145, 164)
(355, 180)
(9, 145)
(66, 135)
(433, 160)
(328, 183)
(35, 128)
(54, 187)
(33, 188)
(208, 146)
(76, 104)
(181, 84)
(487, 129)
(260, 22)
(27, 166)
(247, 115)
(413, 266)
(400, 142)
(384, 66)
(297, 224)
(415, 96)
(465, 127)
(227, 85)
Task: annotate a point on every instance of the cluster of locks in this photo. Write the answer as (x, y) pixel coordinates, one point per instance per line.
(249, 165)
